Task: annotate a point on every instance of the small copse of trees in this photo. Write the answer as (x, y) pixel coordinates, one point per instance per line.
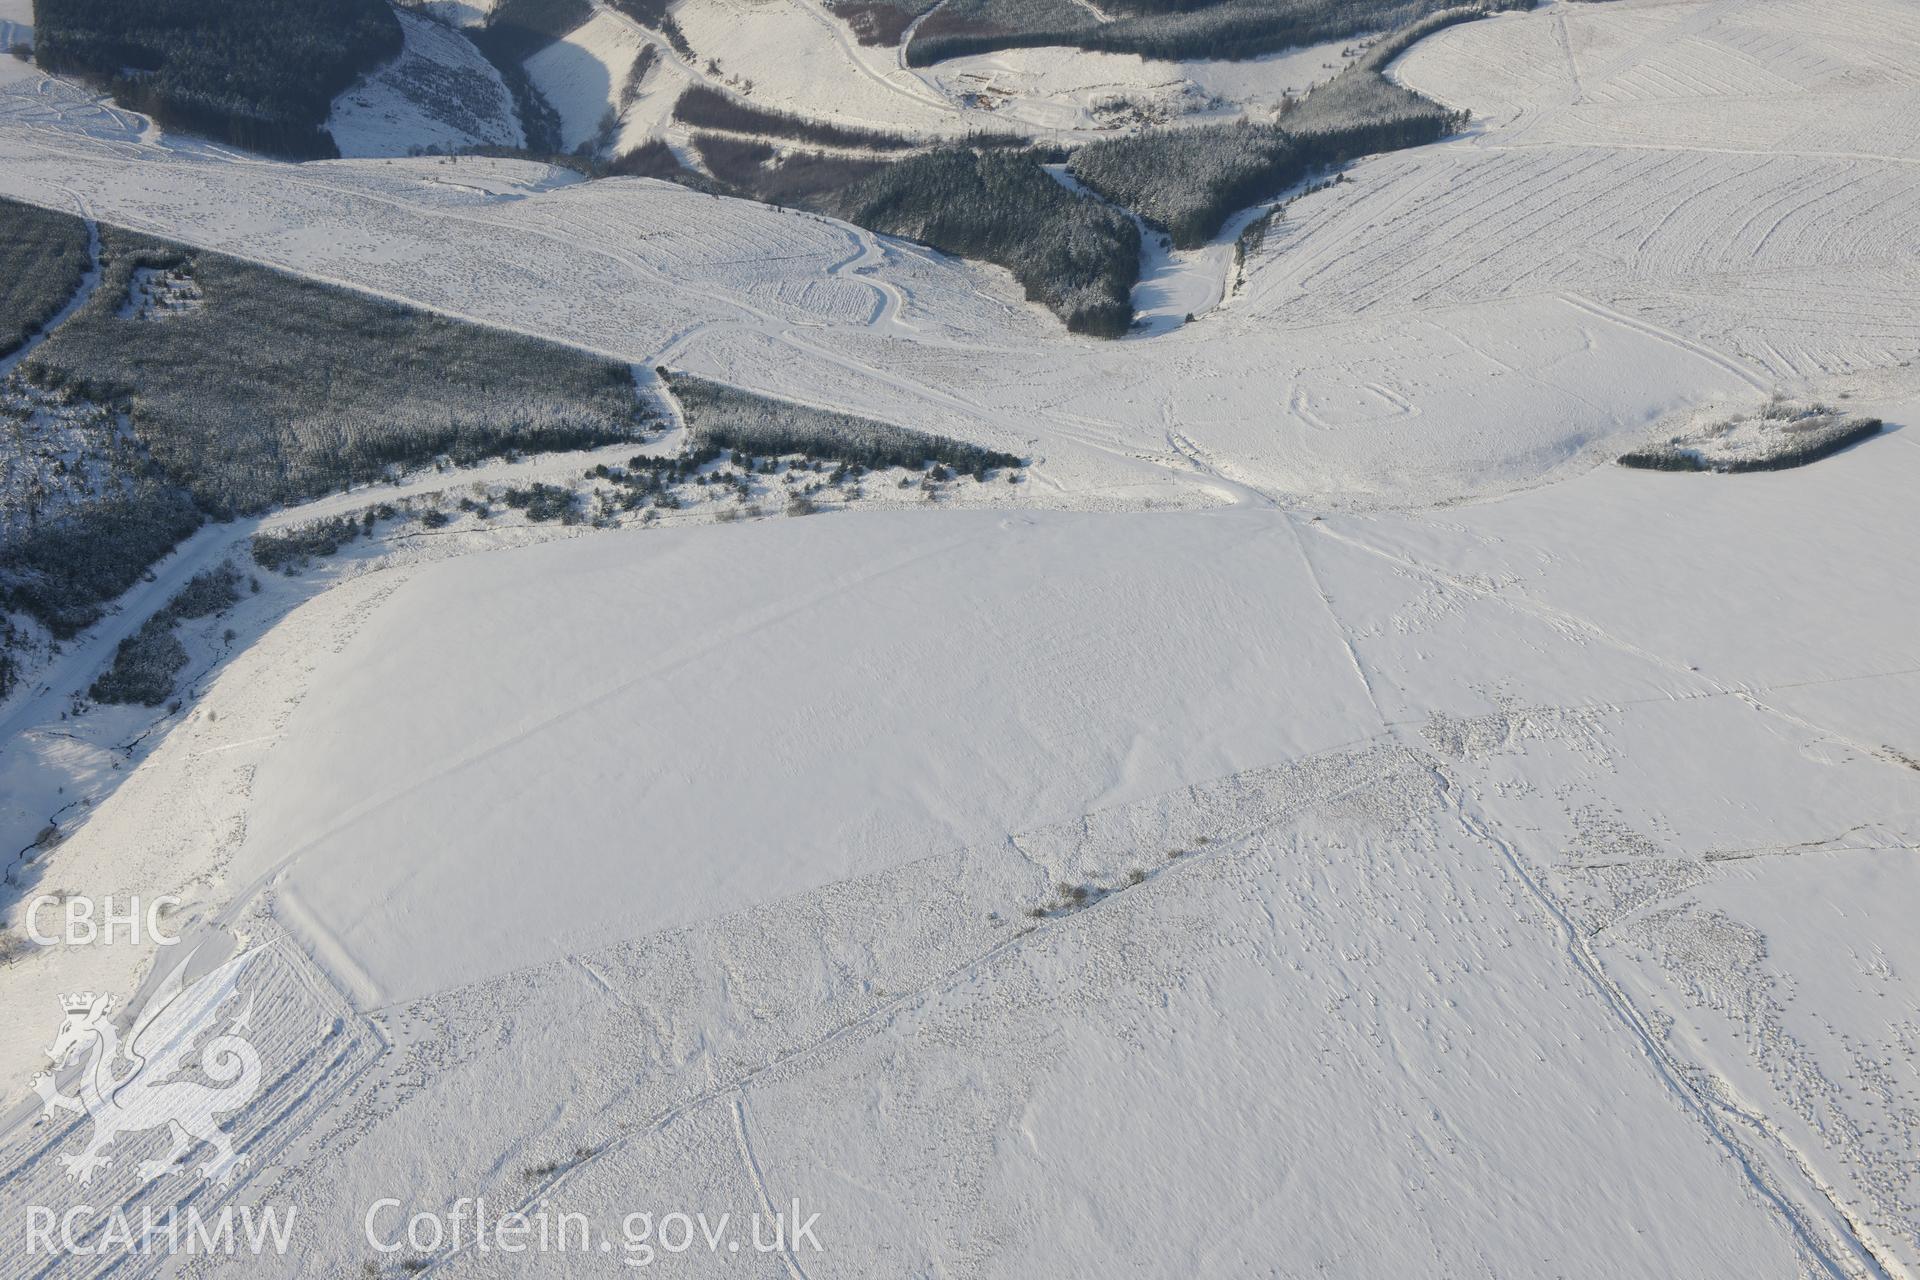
(291, 550)
(1780, 436)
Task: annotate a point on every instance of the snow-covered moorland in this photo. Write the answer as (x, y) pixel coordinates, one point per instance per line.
(1321, 818)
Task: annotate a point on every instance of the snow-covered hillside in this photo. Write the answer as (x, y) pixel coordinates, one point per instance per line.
(440, 94)
(588, 77)
(1321, 819)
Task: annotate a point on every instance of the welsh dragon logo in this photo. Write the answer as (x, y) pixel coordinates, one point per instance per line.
(141, 1089)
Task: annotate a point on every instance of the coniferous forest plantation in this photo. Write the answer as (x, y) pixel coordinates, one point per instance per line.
(257, 73)
(245, 388)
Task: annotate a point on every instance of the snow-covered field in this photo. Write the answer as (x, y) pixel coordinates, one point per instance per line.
(1322, 824)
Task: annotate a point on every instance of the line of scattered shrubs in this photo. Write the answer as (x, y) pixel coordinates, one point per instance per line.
(750, 435)
(146, 662)
(260, 74)
(643, 62)
(294, 549)
(542, 502)
(1253, 236)
(723, 417)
